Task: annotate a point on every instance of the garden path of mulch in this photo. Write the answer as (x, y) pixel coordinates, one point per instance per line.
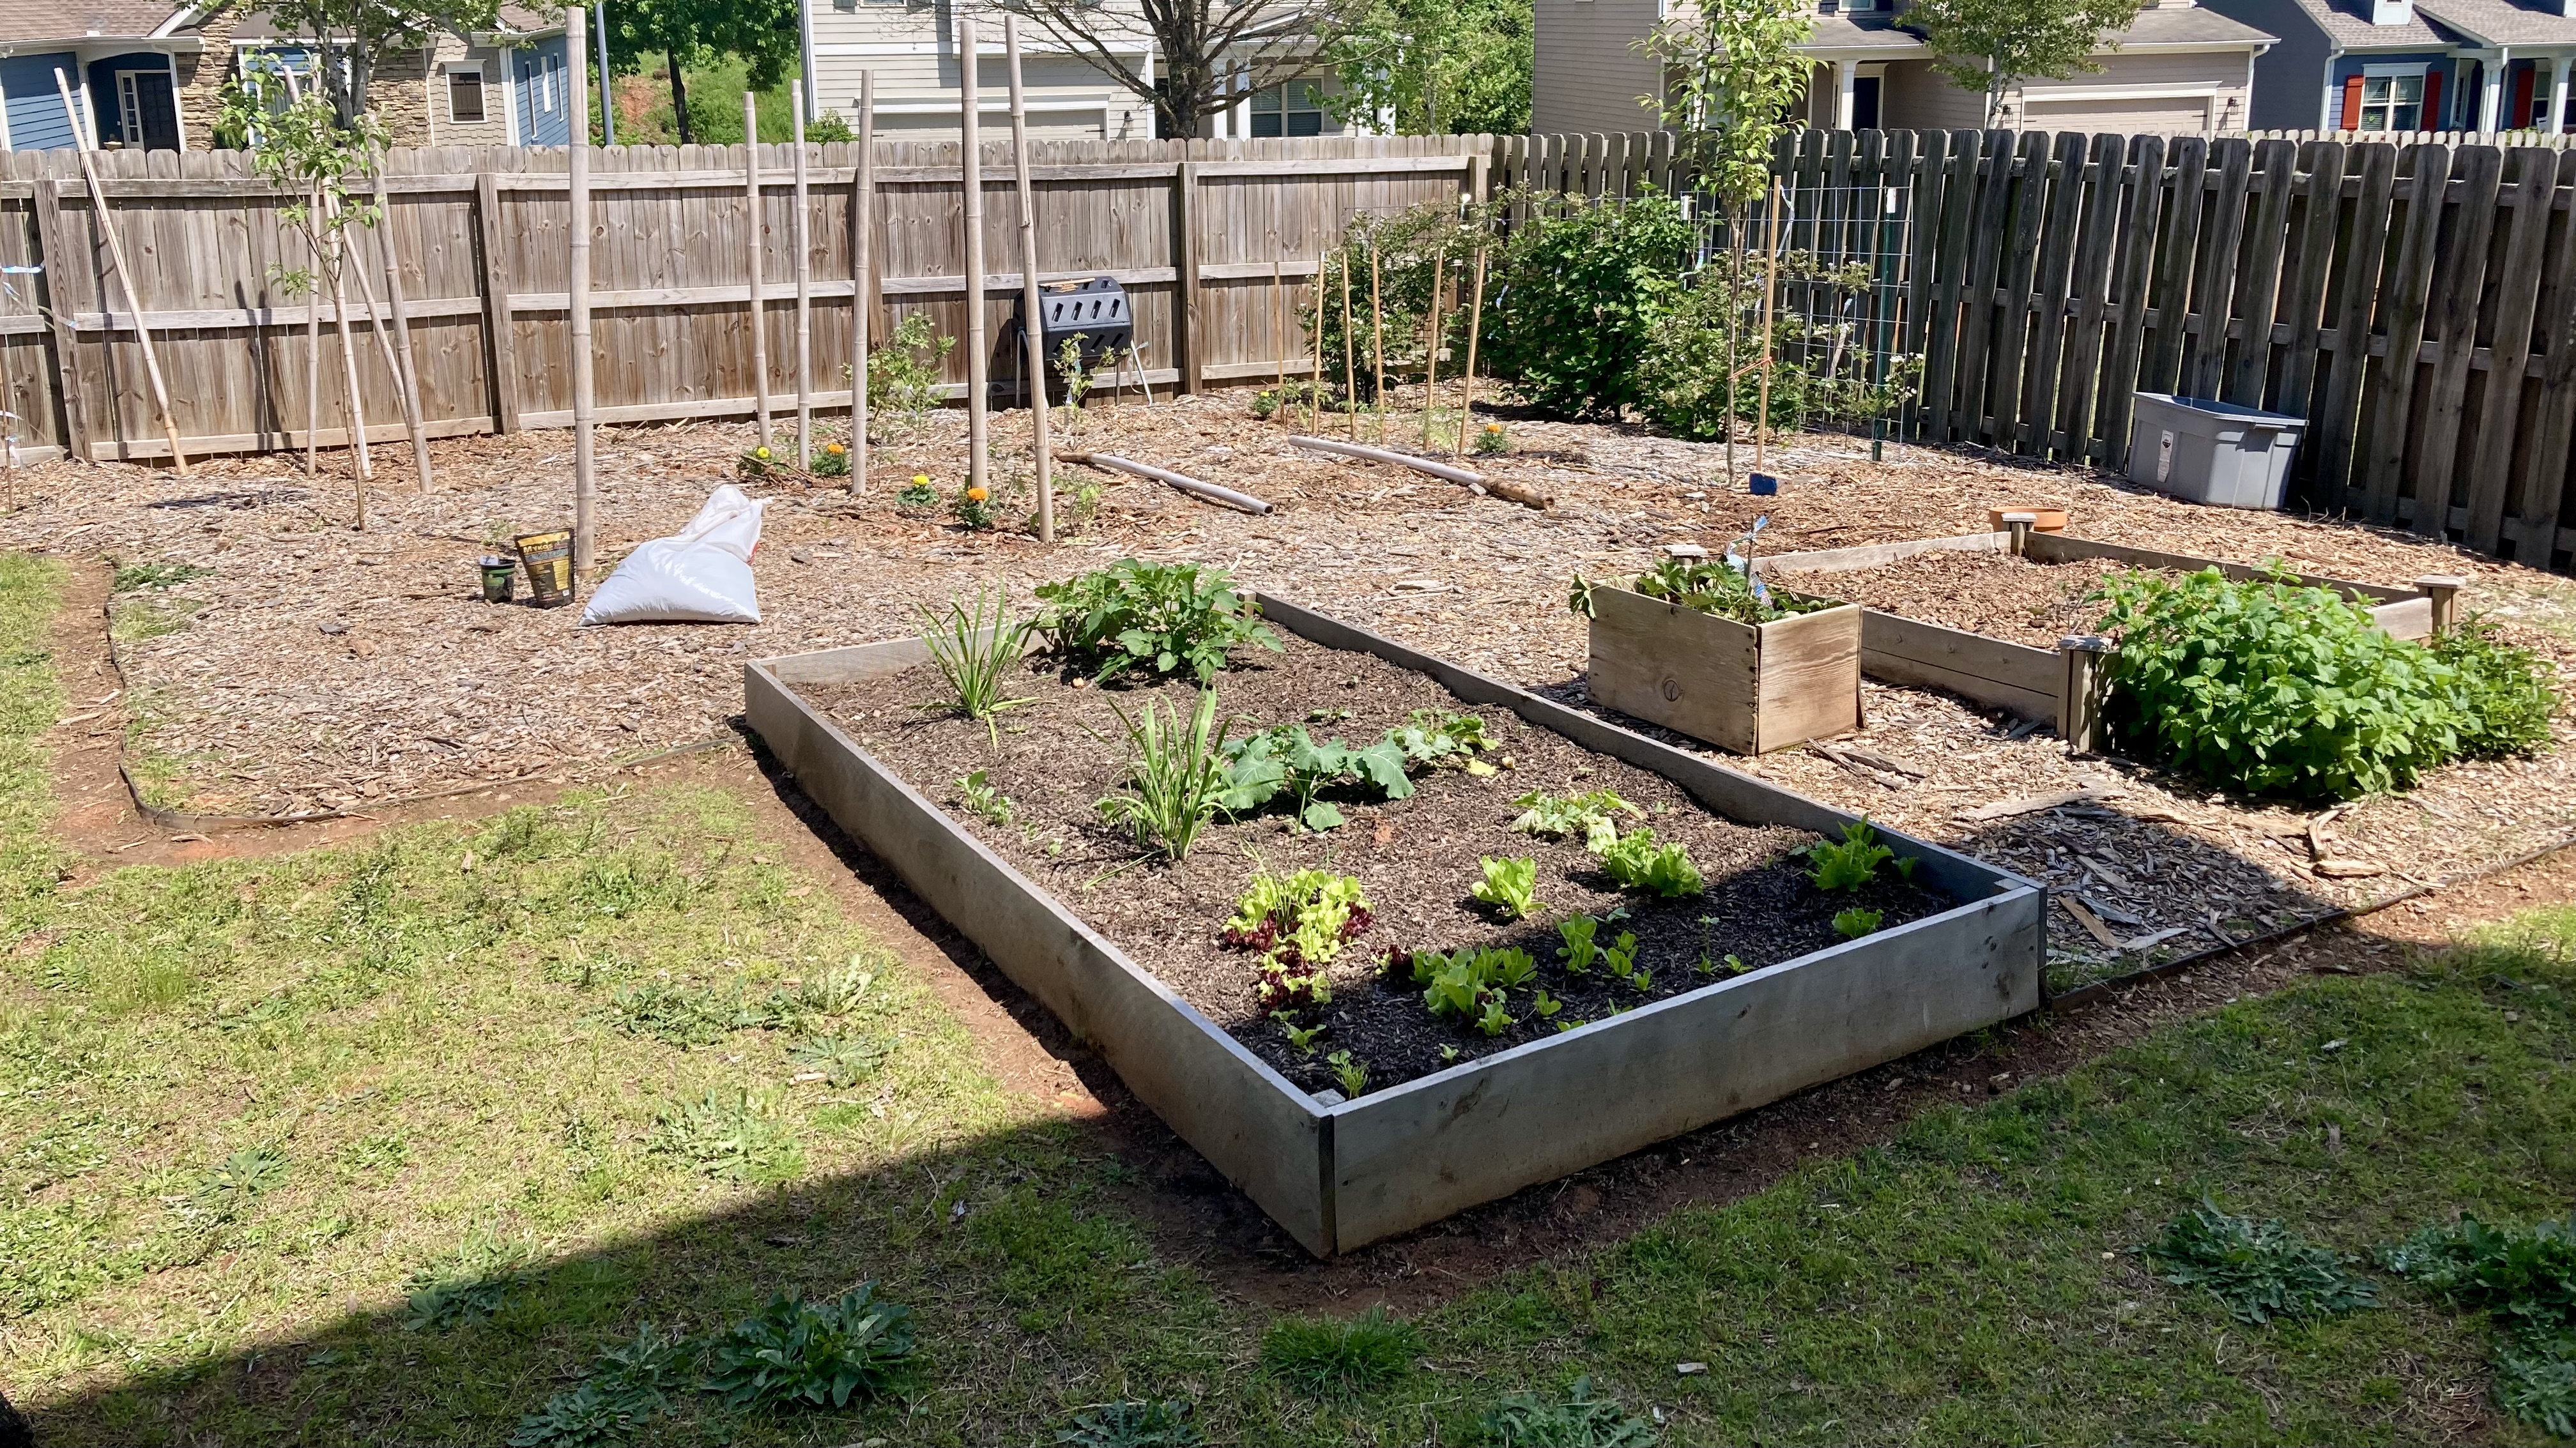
(239, 701)
(1416, 857)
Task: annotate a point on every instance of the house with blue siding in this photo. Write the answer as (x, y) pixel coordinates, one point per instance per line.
(2400, 66)
(498, 87)
(141, 74)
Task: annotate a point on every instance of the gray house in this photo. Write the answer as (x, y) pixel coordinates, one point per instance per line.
(2411, 65)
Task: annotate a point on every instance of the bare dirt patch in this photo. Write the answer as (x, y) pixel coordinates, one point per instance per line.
(1994, 594)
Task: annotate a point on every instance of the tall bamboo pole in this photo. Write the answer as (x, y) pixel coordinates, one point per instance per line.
(124, 277)
(406, 371)
(970, 153)
(752, 238)
(356, 408)
(1033, 333)
(1770, 288)
(1377, 340)
(585, 455)
(1431, 348)
(804, 288)
(1350, 363)
(1475, 316)
(863, 292)
(1315, 384)
(1279, 321)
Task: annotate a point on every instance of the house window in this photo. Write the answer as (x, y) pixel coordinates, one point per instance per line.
(1293, 109)
(465, 95)
(547, 76)
(2392, 103)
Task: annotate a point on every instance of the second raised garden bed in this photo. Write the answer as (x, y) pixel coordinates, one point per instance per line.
(1732, 994)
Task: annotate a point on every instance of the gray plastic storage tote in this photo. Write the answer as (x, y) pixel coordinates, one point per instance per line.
(2212, 452)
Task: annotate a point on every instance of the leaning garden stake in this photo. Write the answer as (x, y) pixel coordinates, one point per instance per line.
(971, 158)
(1350, 363)
(1475, 314)
(585, 548)
(124, 276)
(804, 289)
(1033, 334)
(404, 368)
(863, 222)
(752, 241)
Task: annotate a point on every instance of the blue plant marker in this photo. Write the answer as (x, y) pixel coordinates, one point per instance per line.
(1765, 485)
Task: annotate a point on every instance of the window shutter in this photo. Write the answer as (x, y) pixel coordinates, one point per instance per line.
(2351, 103)
(2521, 117)
(2432, 120)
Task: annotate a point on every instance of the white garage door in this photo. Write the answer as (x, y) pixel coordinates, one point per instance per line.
(2160, 116)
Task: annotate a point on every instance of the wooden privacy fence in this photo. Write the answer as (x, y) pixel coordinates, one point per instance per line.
(1196, 231)
(2416, 304)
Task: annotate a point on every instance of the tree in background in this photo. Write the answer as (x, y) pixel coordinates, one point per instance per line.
(347, 37)
(1993, 45)
(684, 33)
(1439, 67)
(1206, 52)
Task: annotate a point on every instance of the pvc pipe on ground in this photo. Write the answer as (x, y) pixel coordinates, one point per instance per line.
(1209, 491)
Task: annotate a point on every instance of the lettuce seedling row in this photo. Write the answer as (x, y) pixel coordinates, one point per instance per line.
(1727, 997)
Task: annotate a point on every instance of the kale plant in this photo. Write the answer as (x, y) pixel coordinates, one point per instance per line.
(1157, 617)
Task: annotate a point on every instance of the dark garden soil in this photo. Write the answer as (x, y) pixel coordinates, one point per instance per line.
(1995, 594)
(1416, 858)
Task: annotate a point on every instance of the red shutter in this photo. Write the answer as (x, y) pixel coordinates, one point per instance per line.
(2351, 103)
(2521, 117)
(2432, 117)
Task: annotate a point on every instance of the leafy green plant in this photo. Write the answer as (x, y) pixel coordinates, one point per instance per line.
(975, 650)
(1302, 1038)
(1322, 1358)
(1443, 739)
(2272, 687)
(1406, 247)
(1703, 377)
(1718, 588)
(2524, 1278)
(1176, 780)
(2503, 692)
(905, 376)
(917, 494)
(1583, 283)
(1510, 886)
(842, 1060)
(1472, 984)
(1579, 949)
(626, 1387)
(1285, 759)
(468, 1285)
(1491, 440)
(831, 460)
(1637, 862)
(1575, 1417)
(1155, 617)
(1590, 815)
(759, 461)
(1132, 1423)
(803, 1352)
(166, 574)
(1619, 957)
(834, 992)
(2258, 1270)
(1352, 1074)
(1299, 923)
(1075, 378)
(1851, 863)
(1855, 922)
(1285, 402)
(731, 1139)
(982, 800)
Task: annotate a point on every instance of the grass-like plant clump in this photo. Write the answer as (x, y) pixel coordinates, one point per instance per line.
(2274, 687)
(2259, 1271)
(1155, 618)
(1176, 780)
(1319, 1357)
(975, 650)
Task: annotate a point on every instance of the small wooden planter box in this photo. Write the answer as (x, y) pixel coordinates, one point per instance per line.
(1336, 1174)
(1751, 688)
(2028, 681)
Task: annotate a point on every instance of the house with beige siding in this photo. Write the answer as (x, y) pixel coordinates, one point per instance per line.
(2178, 69)
(498, 87)
(912, 48)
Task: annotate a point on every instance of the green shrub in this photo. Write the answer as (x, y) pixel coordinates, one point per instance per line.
(1157, 617)
(1716, 587)
(1698, 378)
(1322, 1358)
(1583, 284)
(905, 376)
(2505, 697)
(2258, 1271)
(2272, 687)
(1573, 1419)
(801, 1352)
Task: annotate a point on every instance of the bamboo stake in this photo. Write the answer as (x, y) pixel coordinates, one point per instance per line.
(585, 455)
(752, 237)
(1770, 287)
(1315, 385)
(406, 370)
(804, 289)
(124, 276)
(313, 353)
(971, 158)
(1350, 365)
(1377, 340)
(1034, 334)
(1475, 316)
(1279, 319)
(1431, 348)
(863, 221)
(355, 408)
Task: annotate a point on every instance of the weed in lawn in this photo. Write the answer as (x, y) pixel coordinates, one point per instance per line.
(1133, 1423)
(842, 1060)
(164, 574)
(627, 1387)
(2258, 1270)
(1590, 815)
(1176, 780)
(737, 1138)
(1325, 1359)
(1510, 886)
(982, 800)
(1638, 863)
(835, 992)
(472, 1283)
(1572, 1419)
(975, 650)
(798, 1352)
(2524, 1279)
(1853, 923)
(1850, 864)
(1156, 617)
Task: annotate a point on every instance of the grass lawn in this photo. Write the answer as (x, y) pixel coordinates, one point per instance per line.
(392, 1141)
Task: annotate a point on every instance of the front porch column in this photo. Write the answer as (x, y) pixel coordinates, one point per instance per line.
(2490, 93)
(2558, 97)
(1846, 72)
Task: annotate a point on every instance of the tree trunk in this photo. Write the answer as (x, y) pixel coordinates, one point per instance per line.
(679, 98)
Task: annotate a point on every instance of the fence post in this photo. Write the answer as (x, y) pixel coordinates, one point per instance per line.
(77, 433)
(1185, 251)
(500, 347)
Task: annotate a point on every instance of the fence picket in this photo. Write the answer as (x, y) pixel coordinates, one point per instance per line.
(2145, 200)
(2481, 172)
(2364, 244)
(2390, 399)
(2205, 369)
(2258, 284)
(2516, 296)
(2090, 288)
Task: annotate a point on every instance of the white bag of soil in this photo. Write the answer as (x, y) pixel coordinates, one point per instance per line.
(702, 574)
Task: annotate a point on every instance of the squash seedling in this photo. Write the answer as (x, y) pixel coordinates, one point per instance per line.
(982, 800)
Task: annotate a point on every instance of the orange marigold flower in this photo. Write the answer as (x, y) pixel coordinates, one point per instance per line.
(975, 495)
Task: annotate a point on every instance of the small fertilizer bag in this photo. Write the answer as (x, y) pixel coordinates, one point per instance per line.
(702, 574)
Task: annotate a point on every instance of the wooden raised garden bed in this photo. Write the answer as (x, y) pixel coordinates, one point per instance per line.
(1128, 953)
(1750, 688)
(2034, 679)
